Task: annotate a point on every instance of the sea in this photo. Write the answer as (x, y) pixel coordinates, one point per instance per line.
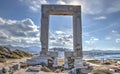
(103, 57)
(98, 55)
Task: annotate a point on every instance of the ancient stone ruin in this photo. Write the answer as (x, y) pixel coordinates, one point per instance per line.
(75, 11)
(73, 60)
(74, 57)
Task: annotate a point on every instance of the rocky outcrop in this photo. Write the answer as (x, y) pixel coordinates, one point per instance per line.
(7, 53)
(10, 70)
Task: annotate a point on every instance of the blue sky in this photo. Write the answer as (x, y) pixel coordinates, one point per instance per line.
(20, 23)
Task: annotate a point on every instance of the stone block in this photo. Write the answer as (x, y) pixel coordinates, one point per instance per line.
(5, 70)
(52, 54)
(16, 67)
(37, 60)
(78, 62)
(33, 69)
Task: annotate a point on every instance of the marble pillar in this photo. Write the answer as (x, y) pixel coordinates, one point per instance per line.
(44, 32)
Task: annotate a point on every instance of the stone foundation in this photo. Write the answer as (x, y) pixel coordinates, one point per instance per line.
(43, 58)
(78, 62)
(37, 60)
(71, 58)
(83, 70)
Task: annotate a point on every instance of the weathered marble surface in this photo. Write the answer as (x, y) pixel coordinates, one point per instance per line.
(71, 58)
(74, 11)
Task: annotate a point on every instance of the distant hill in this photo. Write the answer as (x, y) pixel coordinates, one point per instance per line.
(31, 49)
(94, 53)
(7, 53)
(60, 49)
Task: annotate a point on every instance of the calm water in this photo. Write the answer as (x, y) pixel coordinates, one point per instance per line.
(105, 57)
(98, 57)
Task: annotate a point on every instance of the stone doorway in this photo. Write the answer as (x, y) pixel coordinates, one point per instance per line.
(74, 11)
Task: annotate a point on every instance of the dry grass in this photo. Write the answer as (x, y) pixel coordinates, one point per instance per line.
(46, 69)
(94, 61)
(8, 53)
(57, 70)
(2, 60)
(106, 63)
(102, 72)
(23, 65)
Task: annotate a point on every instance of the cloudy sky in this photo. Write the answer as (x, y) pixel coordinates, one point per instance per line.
(20, 23)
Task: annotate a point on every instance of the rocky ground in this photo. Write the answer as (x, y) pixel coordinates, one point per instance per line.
(99, 66)
(24, 71)
(14, 58)
(10, 62)
(113, 66)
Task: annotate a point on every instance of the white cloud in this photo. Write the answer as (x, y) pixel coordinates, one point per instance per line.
(61, 39)
(3, 35)
(75, 2)
(112, 48)
(86, 34)
(114, 6)
(88, 42)
(19, 32)
(60, 32)
(101, 48)
(91, 41)
(113, 31)
(100, 18)
(87, 48)
(100, 6)
(115, 34)
(95, 39)
(104, 28)
(61, 2)
(52, 36)
(117, 40)
(107, 38)
(96, 6)
(88, 6)
(34, 5)
(2, 21)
